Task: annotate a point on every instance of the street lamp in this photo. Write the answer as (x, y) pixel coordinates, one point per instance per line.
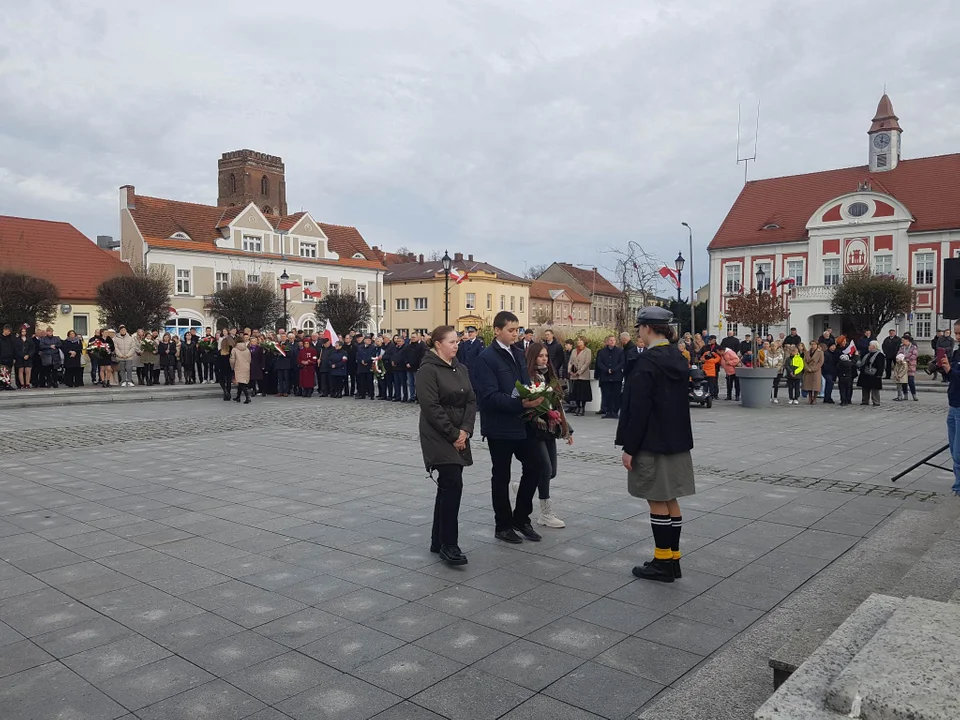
(692, 295)
(760, 278)
(283, 279)
(678, 263)
(446, 286)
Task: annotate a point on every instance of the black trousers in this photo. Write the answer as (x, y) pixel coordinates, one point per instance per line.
(733, 382)
(713, 382)
(846, 390)
(447, 505)
(365, 384)
(224, 373)
(73, 376)
(324, 387)
(502, 453)
(547, 461)
(388, 380)
(610, 397)
(382, 386)
(889, 367)
(353, 382)
(401, 390)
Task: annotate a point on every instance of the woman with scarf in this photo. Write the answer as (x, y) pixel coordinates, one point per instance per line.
(579, 367)
(544, 439)
(338, 370)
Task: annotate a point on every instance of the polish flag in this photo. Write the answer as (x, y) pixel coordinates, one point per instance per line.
(668, 273)
(457, 276)
(172, 311)
(330, 333)
(289, 285)
(307, 292)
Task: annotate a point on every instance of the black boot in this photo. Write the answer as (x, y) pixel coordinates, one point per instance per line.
(237, 398)
(676, 567)
(659, 570)
(246, 395)
(452, 555)
(226, 394)
(528, 532)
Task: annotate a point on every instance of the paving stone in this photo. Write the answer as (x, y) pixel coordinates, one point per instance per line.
(155, 682)
(755, 595)
(461, 600)
(618, 615)
(589, 687)
(541, 706)
(410, 622)
(686, 634)
(471, 693)
(42, 612)
(719, 613)
(319, 589)
(556, 598)
(576, 637)
(407, 711)
(515, 618)
(192, 631)
(351, 647)
(361, 604)
(215, 700)
(412, 586)
(660, 663)
(503, 582)
(528, 664)
(233, 653)
(105, 661)
(282, 677)
(8, 636)
(344, 698)
(18, 656)
(407, 670)
(465, 641)
(593, 580)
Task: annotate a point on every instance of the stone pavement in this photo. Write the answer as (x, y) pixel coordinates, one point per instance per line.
(200, 559)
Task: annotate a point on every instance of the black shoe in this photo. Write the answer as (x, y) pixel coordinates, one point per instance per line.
(528, 532)
(508, 536)
(609, 416)
(676, 567)
(829, 402)
(659, 570)
(434, 548)
(452, 555)
(237, 398)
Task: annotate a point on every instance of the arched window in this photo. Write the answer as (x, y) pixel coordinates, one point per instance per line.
(233, 183)
(264, 186)
(308, 325)
(267, 210)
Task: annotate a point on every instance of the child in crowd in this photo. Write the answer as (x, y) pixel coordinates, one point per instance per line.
(846, 374)
(710, 361)
(794, 374)
(900, 376)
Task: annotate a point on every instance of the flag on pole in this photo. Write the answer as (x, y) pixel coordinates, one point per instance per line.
(307, 292)
(848, 350)
(668, 273)
(457, 276)
(330, 333)
(172, 311)
(289, 285)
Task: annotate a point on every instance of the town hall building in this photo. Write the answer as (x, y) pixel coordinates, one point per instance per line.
(891, 216)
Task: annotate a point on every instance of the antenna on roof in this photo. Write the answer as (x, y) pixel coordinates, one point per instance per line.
(756, 137)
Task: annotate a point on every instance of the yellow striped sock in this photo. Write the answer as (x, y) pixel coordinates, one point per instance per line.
(676, 554)
(662, 554)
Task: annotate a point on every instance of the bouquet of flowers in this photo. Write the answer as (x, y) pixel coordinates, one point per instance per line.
(99, 350)
(378, 370)
(545, 418)
(208, 345)
(272, 348)
(148, 345)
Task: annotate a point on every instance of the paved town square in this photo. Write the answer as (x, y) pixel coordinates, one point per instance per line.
(196, 559)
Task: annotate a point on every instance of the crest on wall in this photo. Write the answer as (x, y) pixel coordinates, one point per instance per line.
(855, 255)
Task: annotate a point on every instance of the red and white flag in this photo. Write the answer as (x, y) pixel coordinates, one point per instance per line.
(457, 276)
(172, 311)
(668, 273)
(330, 333)
(307, 292)
(289, 285)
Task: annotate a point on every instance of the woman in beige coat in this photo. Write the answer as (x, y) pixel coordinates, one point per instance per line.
(580, 391)
(240, 362)
(812, 376)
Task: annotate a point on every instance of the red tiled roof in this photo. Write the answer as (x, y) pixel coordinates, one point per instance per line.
(592, 280)
(928, 187)
(191, 246)
(541, 290)
(60, 253)
(403, 272)
(388, 258)
(158, 219)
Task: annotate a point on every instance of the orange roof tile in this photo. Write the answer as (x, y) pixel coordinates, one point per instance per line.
(592, 280)
(388, 258)
(541, 290)
(60, 253)
(928, 188)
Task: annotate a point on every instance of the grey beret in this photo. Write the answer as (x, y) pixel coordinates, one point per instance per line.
(654, 315)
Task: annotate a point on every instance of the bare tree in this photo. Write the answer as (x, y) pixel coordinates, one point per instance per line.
(253, 306)
(637, 274)
(534, 271)
(26, 299)
(435, 256)
(403, 250)
(141, 300)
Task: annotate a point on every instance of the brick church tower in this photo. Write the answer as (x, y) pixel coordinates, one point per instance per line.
(249, 176)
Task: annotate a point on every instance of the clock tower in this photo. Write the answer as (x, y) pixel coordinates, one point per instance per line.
(884, 136)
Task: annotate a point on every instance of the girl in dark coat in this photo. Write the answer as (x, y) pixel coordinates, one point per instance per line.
(307, 362)
(72, 349)
(872, 367)
(338, 369)
(188, 359)
(24, 349)
(167, 352)
(448, 409)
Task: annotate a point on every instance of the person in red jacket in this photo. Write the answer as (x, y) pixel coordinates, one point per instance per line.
(710, 362)
(307, 362)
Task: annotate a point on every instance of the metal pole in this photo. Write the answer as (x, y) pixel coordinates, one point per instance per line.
(692, 295)
(446, 298)
(285, 310)
(679, 285)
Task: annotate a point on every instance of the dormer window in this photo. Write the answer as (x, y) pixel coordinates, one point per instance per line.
(858, 209)
(179, 236)
(771, 226)
(252, 243)
(358, 256)
(308, 249)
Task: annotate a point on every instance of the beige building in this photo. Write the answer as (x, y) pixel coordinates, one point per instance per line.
(559, 306)
(606, 301)
(204, 248)
(414, 295)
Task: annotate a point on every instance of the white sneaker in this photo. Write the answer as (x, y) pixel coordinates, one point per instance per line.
(775, 401)
(514, 489)
(547, 517)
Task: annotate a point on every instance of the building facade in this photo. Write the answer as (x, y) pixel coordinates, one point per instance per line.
(891, 216)
(414, 295)
(606, 301)
(60, 253)
(204, 248)
(558, 306)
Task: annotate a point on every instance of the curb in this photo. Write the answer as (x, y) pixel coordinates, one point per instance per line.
(104, 399)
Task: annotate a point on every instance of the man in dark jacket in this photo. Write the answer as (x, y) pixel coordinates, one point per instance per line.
(388, 358)
(525, 341)
(731, 341)
(365, 369)
(610, 366)
(554, 351)
(401, 392)
(351, 344)
(498, 369)
(890, 347)
(414, 356)
(324, 350)
(792, 338)
(863, 344)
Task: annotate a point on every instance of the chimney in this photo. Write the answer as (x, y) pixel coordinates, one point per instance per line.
(470, 258)
(420, 258)
(128, 197)
(375, 248)
(411, 257)
(458, 257)
(107, 242)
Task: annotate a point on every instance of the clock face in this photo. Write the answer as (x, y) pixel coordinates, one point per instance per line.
(881, 140)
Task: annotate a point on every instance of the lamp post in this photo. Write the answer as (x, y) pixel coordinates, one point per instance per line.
(446, 287)
(692, 295)
(283, 279)
(761, 275)
(678, 263)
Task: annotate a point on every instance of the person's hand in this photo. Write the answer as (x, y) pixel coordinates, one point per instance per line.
(461, 442)
(627, 461)
(529, 404)
(73, 353)
(570, 440)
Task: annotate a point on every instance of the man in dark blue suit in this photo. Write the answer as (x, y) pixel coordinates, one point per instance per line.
(470, 348)
(497, 370)
(610, 364)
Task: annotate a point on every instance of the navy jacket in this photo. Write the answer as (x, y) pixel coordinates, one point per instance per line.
(610, 364)
(494, 377)
(338, 362)
(365, 355)
(468, 352)
(388, 356)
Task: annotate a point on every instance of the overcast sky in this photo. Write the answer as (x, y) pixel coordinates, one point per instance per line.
(522, 131)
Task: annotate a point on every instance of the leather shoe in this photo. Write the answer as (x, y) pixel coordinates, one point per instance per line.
(508, 536)
(434, 548)
(452, 555)
(676, 568)
(528, 532)
(659, 570)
